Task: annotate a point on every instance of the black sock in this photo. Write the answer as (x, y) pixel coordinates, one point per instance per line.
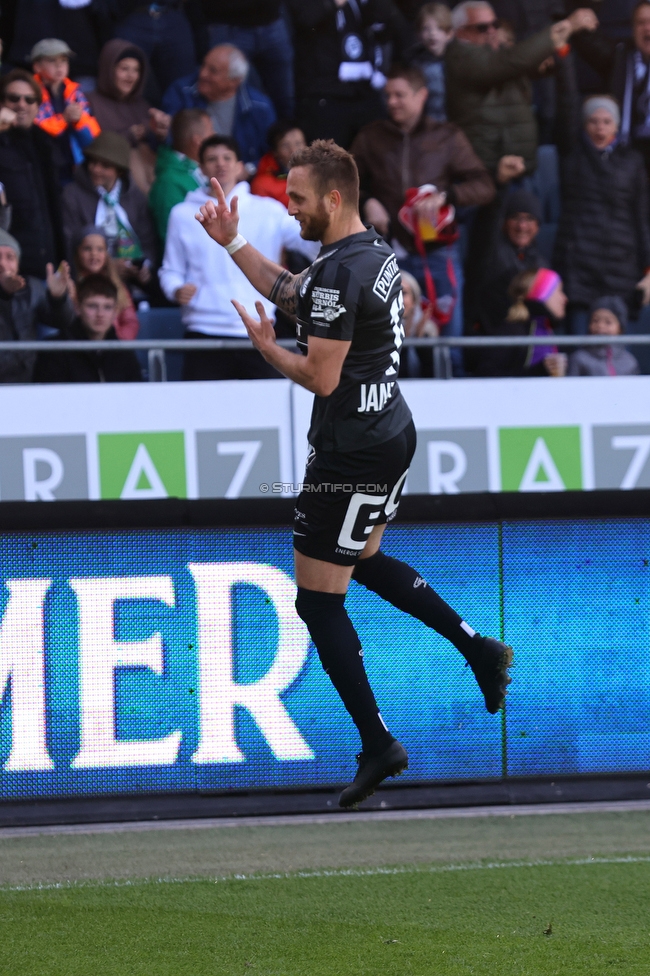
(401, 585)
(339, 650)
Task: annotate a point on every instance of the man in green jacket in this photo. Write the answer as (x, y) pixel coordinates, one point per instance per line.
(177, 169)
(488, 81)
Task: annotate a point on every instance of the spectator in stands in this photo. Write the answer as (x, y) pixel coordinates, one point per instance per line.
(163, 32)
(26, 303)
(488, 87)
(434, 34)
(91, 257)
(68, 20)
(97, 305)
(607, 317)
(285, 138)
(624, 66)
(177, 168)
(236, 109)
(503, 243)
(417, 322)
(603, 238)
(64, 112)
(119, 106)
(257, 28)
(204, 280)
(408, 151)
(29, 176)
(342, 58)
(539, 303)
(103, 194)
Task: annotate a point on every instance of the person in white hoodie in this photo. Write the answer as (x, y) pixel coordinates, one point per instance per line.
(204, 280)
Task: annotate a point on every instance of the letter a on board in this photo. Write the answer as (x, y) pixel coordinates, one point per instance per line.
(143, 480)
(541, 462)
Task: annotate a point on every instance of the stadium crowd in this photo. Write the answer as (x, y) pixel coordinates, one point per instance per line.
(503, 151)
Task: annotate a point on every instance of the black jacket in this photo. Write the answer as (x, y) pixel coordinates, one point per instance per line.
(603, 239)
(29, 175)
(80, 199)
(94, 366)
(323, 39)
(20, 316)
(492, 263)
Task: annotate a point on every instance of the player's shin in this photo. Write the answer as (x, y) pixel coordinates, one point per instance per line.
(339, 650)
(402, 586)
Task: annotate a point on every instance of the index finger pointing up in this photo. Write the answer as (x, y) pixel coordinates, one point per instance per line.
(218, 189)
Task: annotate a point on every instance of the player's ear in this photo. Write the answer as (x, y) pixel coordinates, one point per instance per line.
(334, 200)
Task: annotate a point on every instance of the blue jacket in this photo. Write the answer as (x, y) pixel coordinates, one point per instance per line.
(254, 113)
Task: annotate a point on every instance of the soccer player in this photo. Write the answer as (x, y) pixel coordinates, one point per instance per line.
(348, 305)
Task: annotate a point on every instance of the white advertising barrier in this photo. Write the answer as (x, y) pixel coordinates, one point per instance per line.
(541, 434)
(149, 440)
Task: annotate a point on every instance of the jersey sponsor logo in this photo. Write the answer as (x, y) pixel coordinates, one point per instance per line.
(375, 396)
(388, 273)
(326, 304)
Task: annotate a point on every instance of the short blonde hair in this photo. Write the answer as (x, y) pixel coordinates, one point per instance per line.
(439, 12)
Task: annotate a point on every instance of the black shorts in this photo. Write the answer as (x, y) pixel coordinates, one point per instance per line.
(344, 496)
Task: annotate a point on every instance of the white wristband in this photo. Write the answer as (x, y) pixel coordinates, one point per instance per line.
(235, 244)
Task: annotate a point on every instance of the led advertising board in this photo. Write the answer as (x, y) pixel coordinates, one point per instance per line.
(173, 660)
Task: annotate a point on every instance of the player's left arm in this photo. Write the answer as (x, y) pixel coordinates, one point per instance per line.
(319, 371)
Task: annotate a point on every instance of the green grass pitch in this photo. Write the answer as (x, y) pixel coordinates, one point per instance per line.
(575, 916)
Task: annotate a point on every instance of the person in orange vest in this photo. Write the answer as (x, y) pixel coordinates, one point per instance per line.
(64, 112)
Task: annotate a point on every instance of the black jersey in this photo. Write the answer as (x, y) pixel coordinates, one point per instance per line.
(353, 292)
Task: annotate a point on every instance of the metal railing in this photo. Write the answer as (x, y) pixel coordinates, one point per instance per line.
(156, 348)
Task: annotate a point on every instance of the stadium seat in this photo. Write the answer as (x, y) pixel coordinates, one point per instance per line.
(161, 323)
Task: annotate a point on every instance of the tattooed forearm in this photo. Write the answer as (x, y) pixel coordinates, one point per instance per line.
(284, 292)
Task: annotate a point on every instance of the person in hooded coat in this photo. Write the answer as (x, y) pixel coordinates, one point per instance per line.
(119, 106)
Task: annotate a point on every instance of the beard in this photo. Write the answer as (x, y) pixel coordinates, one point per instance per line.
(315, 225)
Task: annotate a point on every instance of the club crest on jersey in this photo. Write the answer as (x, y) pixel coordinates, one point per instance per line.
(326, 304)
(384, 281)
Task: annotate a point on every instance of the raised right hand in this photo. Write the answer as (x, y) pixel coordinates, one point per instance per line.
(219, 220)
(7, 118)
(11, 283)
(510, 168)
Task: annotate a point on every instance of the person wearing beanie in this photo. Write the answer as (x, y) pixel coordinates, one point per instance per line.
(538, 304)
(25, 303)
(607, 317)
(503, 243)
(64, 112)
(603, 238)
(103, 194)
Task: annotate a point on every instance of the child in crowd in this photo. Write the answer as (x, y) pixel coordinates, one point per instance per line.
(538, 303)
(97, 304)
(91, 257)
(607, 317)
(435, 33)
(64, 112)
(285, 138)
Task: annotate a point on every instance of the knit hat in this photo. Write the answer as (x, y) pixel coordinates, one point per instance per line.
(610, 105)
(521, 201)
(6, 240)
(543, 285)
(111, 148)
(613, 304)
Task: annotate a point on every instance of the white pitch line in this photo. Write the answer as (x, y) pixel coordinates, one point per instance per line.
(364, 816)
(329, 873)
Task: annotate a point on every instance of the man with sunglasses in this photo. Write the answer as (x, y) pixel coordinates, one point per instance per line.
(29, 174)
(488, 81)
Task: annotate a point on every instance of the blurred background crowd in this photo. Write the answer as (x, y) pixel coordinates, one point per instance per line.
(503, 151)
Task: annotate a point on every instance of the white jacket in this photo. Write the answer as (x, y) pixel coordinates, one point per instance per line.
(191, 256)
